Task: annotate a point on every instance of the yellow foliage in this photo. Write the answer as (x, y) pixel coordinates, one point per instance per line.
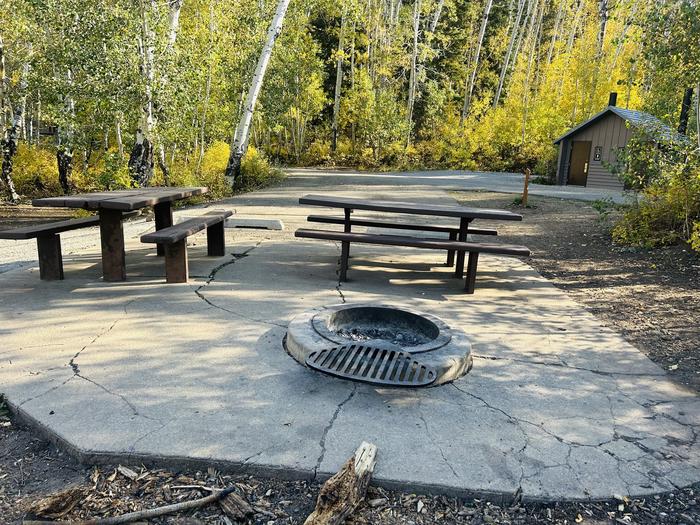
(35, 171)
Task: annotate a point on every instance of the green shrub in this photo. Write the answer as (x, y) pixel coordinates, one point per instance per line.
(666, 212)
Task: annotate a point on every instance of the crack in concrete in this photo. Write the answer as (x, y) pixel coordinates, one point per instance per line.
(41, 394)
(434, 442)
(132, 447)
(329, 426)
(128, 403)
(212, 276)
(657, 480)
(74, 366)
(564, 364)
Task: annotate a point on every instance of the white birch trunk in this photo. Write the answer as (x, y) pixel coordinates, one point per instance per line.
(120, 142)
(506, 61)
(535, 42)
(338, 83)
(141, 159)
(555, 31)
(10, 131)
(240, 138)
(436, 16)
(697, 113)
(412, 81)
(174, 7)
(475, 67)
(207, 87)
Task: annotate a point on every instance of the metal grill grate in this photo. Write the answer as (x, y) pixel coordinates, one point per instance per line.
(381, 364)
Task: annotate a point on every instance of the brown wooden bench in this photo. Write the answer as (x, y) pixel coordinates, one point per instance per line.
(452, 231)
(473, 248)
(48, 242)
(174, 238)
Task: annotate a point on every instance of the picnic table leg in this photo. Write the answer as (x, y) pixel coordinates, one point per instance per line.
(345, 248)
(164, 218)
(50, 259)
(462, 237)
(451, 253)
(112, 239)
(470, 282)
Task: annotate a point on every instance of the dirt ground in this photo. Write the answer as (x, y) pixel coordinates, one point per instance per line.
(651, 297)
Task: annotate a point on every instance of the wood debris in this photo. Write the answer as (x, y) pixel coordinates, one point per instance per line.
(343, 492)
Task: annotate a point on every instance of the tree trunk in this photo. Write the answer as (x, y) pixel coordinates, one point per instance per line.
(162, 165)
(240, 138)
(555, 31)
(64, 157)
(338, 83)
(685, 111)
(697, 112)
(436, 15)
(141, 159)
(8, 144)
(174, 7)
(207, 87)
(9, 148)
(475, 66)
(506, 60)
(120, 142)
(412, 81)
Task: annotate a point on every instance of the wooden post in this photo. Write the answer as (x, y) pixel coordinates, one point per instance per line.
(528, 172)
(50, 258)
(164, 218)
(216, 240)
(112, 239)
(176, 262)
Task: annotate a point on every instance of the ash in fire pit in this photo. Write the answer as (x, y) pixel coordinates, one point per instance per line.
(364, 333)
(352, 337)
(398, 327)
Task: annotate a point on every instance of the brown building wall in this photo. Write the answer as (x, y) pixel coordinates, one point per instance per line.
(609, 133)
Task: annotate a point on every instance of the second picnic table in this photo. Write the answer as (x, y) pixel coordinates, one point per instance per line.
(465, 214)
(111, 205)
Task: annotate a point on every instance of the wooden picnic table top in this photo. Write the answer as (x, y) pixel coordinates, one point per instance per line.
(415, 208)
(124, 200)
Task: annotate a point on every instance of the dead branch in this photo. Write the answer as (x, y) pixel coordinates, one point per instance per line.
(149, 513)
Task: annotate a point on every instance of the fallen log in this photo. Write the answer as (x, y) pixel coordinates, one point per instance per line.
(343, 492)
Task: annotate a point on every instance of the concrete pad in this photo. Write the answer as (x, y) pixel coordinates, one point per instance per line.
(556, 404)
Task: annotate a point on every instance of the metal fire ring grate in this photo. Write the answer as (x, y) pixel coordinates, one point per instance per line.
(376, 363)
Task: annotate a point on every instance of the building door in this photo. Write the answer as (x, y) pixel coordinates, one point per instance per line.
(580, 159)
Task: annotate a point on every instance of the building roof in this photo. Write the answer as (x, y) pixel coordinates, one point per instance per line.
(637, 119)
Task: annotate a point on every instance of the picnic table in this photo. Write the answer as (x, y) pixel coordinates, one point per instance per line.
(465, 215)
(111, 205)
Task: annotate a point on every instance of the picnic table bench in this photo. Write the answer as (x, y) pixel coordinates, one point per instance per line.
(48, 242)
(174, 239)
(456, 244)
